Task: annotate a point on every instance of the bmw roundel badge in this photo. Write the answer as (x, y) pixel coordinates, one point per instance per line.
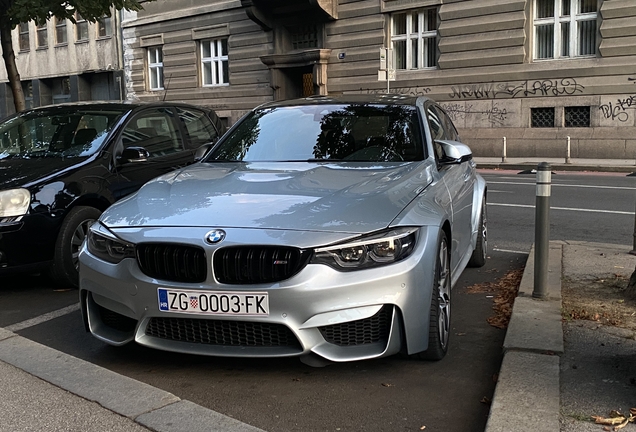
(215, 236)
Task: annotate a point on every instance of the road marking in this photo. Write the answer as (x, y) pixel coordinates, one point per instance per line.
(510, 251)
(566, 208)
(43, 318)
(566, 185)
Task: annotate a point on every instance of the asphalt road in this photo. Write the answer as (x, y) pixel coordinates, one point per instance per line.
(389, 394)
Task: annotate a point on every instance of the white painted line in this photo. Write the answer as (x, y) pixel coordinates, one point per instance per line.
(43, 318)
(510, 251)
(566, 208)
(567, 185)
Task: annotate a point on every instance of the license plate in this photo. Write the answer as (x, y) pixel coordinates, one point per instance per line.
(213, 302)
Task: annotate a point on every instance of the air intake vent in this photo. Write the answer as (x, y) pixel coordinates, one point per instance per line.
(172, 262)
(365, 331)
(257, 264)
(222, 333)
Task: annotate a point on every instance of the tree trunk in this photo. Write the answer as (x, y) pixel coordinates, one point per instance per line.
(630, 291)
(12, 69)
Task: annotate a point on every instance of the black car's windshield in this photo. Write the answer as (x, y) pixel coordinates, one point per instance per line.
(355, 132)
(56, 132)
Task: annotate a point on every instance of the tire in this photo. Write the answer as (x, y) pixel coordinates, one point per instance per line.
(65, 268)
(478, 258)
(439, 316)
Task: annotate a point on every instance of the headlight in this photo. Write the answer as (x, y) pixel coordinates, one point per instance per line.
(106, 246)
(14, 202)
(375, 250)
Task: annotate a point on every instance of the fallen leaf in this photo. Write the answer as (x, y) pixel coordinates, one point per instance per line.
(423, 427)
(387, 385)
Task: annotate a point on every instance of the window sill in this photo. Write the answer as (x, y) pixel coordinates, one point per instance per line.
(61, 45)
(81, 41)
(215, 85)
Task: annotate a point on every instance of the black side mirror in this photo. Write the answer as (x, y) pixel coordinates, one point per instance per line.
(134, 155)
(202, 151)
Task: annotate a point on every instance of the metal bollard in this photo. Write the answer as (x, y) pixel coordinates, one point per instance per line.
(504, 157)
(542, 230)
(567, 157)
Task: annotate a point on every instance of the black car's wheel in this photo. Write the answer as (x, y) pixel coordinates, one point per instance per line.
(439, 318)
(65, 268)
(478, 258)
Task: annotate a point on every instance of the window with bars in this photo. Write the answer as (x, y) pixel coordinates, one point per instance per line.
(542, 117)
(104, 27)
(304, 36)
(42, 35)
(155, 68)
(81, 28)
(578, 116)
(414, 39)
(565, 28)
(60, 31)
(214, 63)
(24, 36)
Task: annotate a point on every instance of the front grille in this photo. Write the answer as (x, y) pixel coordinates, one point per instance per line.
(172, 262)
(222, 333)
(257, 264)
(365, 331)
(116, 321)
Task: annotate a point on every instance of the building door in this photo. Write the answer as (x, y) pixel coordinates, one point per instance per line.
(298, 82)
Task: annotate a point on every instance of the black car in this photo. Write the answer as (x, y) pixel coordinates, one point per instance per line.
(61, 166)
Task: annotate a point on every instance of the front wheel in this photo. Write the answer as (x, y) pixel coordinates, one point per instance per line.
(439, 314)
(65, 268)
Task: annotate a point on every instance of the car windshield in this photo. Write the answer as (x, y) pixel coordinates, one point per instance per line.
(353, 133)
(56, 132)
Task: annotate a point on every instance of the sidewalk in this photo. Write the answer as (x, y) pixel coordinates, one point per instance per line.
(547, 385)
(558, 164)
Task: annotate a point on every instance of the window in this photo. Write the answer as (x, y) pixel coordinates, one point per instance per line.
(60, 31)
(578, 116)
(154, 130)
(43, 39)
(104, 27)
(24, 36)
(542, 117)
(214, 62)
(198, 126)
(155, 68)
(414, 39)
(304, 36)
(61, 90)
(565, 28)
(81, 28)
(27, 89)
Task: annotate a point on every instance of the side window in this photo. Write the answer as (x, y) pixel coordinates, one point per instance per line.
(198, 126)
(155, 131)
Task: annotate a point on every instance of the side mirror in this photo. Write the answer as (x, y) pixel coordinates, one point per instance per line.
(454, 152)
(134, 155)
(202, 151)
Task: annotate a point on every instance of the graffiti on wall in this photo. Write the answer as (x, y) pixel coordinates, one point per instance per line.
(562, 87)
(410, 91)
(495, 116)
(618, 111)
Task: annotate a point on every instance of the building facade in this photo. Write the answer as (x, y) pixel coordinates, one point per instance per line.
(61, 61)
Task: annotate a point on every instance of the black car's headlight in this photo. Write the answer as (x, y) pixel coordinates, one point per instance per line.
(14, 202)
(106, 246)
(374, 250)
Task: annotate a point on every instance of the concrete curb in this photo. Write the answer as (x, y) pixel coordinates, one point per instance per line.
(149, 406)
(527, 396)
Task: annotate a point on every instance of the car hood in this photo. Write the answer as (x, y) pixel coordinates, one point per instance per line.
(341, 197)
(17, 172)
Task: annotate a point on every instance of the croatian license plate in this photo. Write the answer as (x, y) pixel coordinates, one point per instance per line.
(213, 302)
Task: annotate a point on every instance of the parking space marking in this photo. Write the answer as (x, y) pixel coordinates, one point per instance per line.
(43, 318)
(510, 251)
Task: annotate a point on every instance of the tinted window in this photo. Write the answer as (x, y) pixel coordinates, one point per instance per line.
(155, 131)
(367, 133)
(56, 133)
(198, 126)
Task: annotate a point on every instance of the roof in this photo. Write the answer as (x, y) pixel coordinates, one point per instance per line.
(374, 99)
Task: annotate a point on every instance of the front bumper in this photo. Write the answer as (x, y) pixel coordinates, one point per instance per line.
(27, 242)
(339, 316)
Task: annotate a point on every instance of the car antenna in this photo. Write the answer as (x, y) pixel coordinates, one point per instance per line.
(165, 93)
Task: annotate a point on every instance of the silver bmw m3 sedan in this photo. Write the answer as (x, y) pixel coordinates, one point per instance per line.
(328, 228)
